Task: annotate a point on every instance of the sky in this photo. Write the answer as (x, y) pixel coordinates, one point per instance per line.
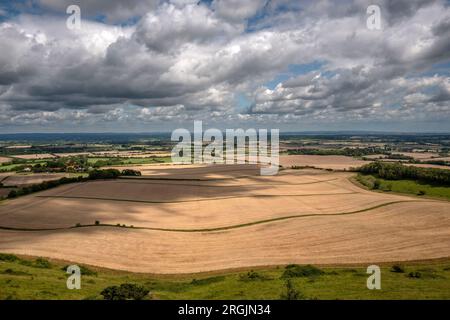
(155, 65)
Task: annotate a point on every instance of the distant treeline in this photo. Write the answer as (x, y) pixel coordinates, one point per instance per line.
(351, 152)
(93, 175)
(398, 171)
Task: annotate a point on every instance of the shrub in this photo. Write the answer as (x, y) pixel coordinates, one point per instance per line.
(12, 272)
(291, 293)
(104, 174)
(97, 222)
(126, 291)
(421, 193)
(8, 257)
(251, 276)
(376, 184)
(397, 268)
(295, 270)
(415, 274)
(12, 194)
(206, 281)
(42, 263)
(130, 172)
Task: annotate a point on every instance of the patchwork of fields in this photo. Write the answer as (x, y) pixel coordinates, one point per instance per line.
(199, 218)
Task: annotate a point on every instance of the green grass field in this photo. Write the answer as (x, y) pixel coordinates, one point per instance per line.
(405, 186)
(26, 278)
(11, 167)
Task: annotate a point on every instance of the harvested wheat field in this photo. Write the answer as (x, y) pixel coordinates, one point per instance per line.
(322, 162)
(195, 171)
(29, 179)
(184, 221)
(35, 156)
(4, 160)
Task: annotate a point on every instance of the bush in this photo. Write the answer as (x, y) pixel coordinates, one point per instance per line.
(295, 270)
(291, 293)
(130, 172)
(251, 276)
(97, 222)
(42, 263)
(206, 281)
(421, 193)
(8, 257)
(415, 274)
(12, 272)
(104, 174)
(126, 291)
(12, 194)
(397, 268)
(376, 184)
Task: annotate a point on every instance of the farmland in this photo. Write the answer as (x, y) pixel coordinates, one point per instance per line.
(195, 231)
(299, 216)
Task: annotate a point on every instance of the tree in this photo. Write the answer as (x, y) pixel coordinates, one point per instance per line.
(12, 194)
(376, 184)
(291, 293)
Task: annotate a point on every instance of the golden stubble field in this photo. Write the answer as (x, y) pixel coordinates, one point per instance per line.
(196, 218)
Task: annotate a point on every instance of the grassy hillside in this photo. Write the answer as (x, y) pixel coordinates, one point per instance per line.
(404, 186)
(37, 278)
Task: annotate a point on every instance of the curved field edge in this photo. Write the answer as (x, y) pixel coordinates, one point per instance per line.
(22, 279)
(243, 225)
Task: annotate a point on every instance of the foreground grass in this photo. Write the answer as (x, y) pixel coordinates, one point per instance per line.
(26, 278)
(404, 186)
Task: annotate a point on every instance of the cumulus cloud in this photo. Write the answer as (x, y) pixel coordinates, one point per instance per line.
(183, 60)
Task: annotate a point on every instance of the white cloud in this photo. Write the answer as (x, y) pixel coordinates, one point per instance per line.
(184, 60)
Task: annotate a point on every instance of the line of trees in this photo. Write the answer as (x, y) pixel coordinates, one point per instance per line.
(93, 175)
(351, 152)
(398, 171)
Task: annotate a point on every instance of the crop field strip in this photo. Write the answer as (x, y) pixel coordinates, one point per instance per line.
(217, 186)
(298, 216)
(199, 199)
(225, 227)
(385, 234)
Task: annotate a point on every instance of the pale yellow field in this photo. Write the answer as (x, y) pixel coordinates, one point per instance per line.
(323, 162)
(420, 155)
(186, 221)
(193, 171)
(4, 159)
(72, 154)
(425, 165)
(35, 156)
(29, 179)
(132, 154)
